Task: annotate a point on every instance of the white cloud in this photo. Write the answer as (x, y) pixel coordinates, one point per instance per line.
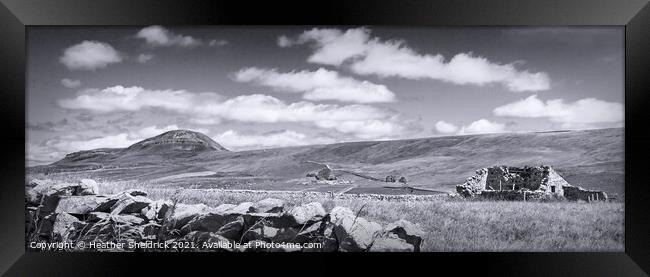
(157, 36)
(393, 58)
(482, 126)
(69, 83)
(237, 141)
(362, 121)
(217, 42)
(89, 55)
(445, 127)
(321, 84)
(580, 113)
(143, 58)
(284, 41)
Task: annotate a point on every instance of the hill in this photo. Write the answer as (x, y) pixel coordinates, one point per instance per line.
(590, 158)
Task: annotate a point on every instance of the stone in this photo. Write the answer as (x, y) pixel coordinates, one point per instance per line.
(303, 214)
(58, 226)
(81, 205)
(232, 230)
(390, 243)
(156, 210)
(127, 203)
(353, 233)
(37, 194)
(391, 179)
(119, 218)
(223, 208)
(210, 222)
(407, 231)
(403, 180)
(277, 220)
(269, 205)
(246, 207)
(87, 187)
(183, 213)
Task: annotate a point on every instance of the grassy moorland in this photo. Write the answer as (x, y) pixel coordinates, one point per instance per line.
(451, 224)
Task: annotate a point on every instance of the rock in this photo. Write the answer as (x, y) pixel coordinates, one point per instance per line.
(119, 218)
(353, 233)
(277, 220)
(390, 243)
(269, 205)
(246, 207)
(223, 208)
(313, 211)
(391, 179)
(210, 222)
(403, 180)
(183, 213)
(209, 241)
(409, 232)
(58, 227)
(81, 205)
(467, 190)
(127, 203)
(87, 187)
(156, 210)
(232, 230)
(37, 194)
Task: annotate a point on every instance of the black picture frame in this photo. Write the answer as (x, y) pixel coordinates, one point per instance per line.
(16, 15)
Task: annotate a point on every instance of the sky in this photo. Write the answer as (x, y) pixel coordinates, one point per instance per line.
(263, 87)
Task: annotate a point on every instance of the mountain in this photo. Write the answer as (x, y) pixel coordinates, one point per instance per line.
(590, 158)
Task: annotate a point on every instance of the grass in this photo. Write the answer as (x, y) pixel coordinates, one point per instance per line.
(451, 224)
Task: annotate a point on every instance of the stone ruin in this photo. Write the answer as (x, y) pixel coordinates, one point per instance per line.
(75, 212)
(524, 183)
(323, 174)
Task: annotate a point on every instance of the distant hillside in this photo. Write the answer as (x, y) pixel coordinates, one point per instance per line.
(590, 158)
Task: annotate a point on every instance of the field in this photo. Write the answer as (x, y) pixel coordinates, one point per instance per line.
(452, 224)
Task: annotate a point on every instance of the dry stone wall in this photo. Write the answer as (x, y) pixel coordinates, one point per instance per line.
(74, 212)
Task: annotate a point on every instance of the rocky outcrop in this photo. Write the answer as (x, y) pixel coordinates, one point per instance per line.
(266, 225)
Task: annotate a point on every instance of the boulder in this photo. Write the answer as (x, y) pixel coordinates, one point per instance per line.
(181, 214)
(223, 208)
(81, 205)
(269, 205)
(403, 180)
(277, 220)
(270, 234)
(119, 218)
(311, 212)
(210, 222)
(391, 179)
(156, 210)
(37, 194)
(232, 230)
(87, 187)
(353, 233)
(246, 207)
(390, 243)
(58, 227)
(128, 203)
(407, 231)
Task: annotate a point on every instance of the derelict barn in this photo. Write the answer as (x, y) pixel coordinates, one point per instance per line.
(522, 183)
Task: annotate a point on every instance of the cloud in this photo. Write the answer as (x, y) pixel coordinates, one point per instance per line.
(157, 36)
(284, 42)
(580, 113)
(143, 58)
(69, 83)
(482, 126)
(360, 120)
(445, 127)
(371, 56)
(321, 84)
(217, 42)
(237, 141)
(89, 55)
